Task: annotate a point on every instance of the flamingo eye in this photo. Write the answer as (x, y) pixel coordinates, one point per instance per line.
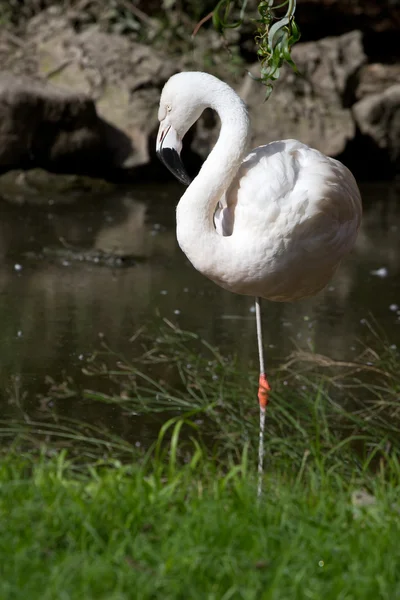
(169, 107)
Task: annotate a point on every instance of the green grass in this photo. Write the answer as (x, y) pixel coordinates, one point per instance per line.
(347, 411)
(179, 518)
(146, 531)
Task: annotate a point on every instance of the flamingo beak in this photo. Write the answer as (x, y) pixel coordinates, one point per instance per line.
(169, 146)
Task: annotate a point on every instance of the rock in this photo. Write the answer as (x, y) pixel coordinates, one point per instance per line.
(378, 118)
(314, 108)
(48, 127)
(121, 78)
(39, 187)
(377, 77)
(112, 84)
(124, 78)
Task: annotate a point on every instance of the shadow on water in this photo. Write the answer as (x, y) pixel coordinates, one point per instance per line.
(55, 306)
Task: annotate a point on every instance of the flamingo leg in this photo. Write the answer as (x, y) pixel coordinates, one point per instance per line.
(263, 385)
(263, 390)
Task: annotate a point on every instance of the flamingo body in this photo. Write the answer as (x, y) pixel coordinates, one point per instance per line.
(273, 223)
(292, 230)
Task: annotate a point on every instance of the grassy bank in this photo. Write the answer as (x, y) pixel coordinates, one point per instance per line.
(178, 517)
(332, 412)
(195, 532)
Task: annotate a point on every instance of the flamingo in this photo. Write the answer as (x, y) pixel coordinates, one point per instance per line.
(271, 223)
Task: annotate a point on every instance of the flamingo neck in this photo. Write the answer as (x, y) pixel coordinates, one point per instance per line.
(195, 212)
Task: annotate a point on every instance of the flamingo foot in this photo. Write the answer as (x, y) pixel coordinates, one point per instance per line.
(263, 391)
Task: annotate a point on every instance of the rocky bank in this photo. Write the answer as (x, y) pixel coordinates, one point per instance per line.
(85, 101)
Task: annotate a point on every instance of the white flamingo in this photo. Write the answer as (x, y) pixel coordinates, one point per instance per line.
(274, 223)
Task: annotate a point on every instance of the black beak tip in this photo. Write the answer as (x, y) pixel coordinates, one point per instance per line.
(171, 159)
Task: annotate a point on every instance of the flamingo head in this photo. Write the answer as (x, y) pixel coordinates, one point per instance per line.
(180, 106)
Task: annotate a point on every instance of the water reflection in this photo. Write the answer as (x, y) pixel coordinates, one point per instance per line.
(53, 309)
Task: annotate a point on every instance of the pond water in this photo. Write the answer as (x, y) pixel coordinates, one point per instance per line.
(53, 309)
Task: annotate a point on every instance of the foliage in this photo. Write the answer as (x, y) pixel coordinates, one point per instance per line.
(119, 16)
(274, 38)
(19, 11)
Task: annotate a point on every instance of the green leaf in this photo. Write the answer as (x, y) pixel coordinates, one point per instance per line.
(274, 37)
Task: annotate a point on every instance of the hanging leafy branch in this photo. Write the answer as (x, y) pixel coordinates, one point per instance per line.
(274, 38)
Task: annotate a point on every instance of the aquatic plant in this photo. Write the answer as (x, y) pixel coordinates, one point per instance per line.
(321, 410)
(340, 415)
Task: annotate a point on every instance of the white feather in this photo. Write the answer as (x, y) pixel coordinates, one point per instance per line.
(273, 223)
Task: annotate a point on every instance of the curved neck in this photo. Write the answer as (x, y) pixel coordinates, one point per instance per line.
(195, 211)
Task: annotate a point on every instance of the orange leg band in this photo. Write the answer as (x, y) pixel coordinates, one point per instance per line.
(263, 389)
